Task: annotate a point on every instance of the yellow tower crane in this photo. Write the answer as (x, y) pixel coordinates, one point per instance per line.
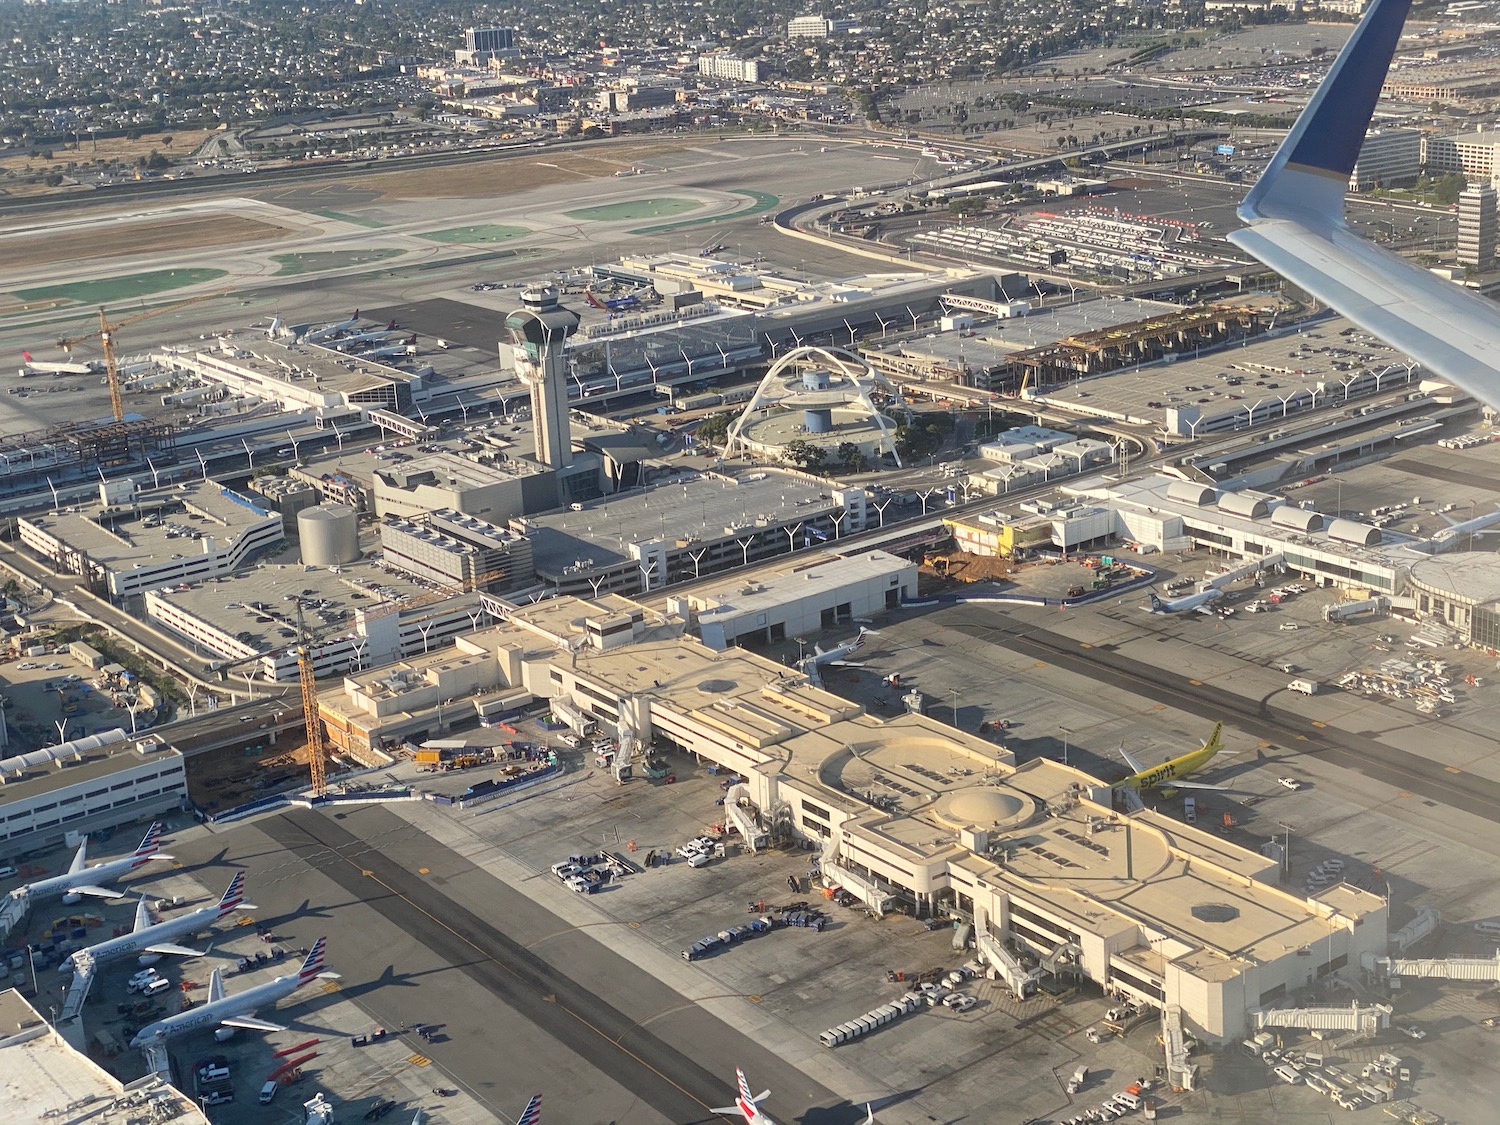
(106, 336)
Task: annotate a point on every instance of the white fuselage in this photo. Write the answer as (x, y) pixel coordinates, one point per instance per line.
(167, 931)
(210, 1014)
(88, 877)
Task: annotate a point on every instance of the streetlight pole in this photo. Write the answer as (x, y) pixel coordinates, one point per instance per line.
(1065, 732)
(954, 693)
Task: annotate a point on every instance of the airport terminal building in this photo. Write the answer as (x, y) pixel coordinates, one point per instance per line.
(911, 814)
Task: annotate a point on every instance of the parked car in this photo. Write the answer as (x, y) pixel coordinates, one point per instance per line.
(959, 1001)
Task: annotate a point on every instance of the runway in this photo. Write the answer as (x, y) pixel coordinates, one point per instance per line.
(1391, 765)
(526, 1001)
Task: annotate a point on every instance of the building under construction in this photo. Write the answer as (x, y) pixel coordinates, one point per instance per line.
(31, 456)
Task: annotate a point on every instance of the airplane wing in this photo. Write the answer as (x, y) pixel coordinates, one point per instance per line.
(1135, 764)
(252, 1023)
(177, 950)
(1194, 785)
(1295, 214)
(842, 664)
(97, 892)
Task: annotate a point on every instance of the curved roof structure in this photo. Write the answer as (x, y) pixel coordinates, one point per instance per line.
(1190, 492)
(1348, 531)
(1298, 519)
(1244, 504)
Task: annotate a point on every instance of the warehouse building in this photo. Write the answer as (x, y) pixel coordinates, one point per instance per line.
(910, 812)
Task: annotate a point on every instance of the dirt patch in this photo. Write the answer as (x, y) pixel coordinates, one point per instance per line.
(87, 154)
(534, 169)
(118, 240)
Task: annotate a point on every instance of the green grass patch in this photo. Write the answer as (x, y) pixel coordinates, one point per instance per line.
(322, 260)
(110, 289)
(760, 202)
(373, 224)
(635, 209)
(479, 232)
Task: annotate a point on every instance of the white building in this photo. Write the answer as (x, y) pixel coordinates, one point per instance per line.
(85, 785)
(801, 598)
(729, 68)
(1388, 156)
(152, 539)
(816, 27)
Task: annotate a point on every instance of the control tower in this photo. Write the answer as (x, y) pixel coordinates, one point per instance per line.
(537, 331)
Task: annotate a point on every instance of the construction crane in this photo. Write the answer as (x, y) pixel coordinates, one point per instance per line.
(317, 744)
(106, 335)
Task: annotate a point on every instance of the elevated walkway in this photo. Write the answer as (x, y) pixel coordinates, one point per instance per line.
(1366, 1020)
(1477, 970)
(1020, 980)
(1246, 569)
(1182, 1074)
(85, 969)
(744, 819)
(13, 910)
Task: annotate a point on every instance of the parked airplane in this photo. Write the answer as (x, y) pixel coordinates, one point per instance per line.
(1183, 604)
(532, 1114)
(750, 1107)
(81, 880)
(152, 941)
(1295, 214)
(1167, 776)
(746, 1104)
(331, 329)
(41, 367)
(835, 656)
(225, 1013)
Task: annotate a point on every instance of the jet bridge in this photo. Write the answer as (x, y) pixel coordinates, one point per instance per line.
(1180, 1073)
(1483, 970)
(744, 818)
(85, 969)
(1021, 980)
(1366, 1020)
(13, 910)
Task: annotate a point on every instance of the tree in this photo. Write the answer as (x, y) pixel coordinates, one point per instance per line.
(852, 457)
(714, 430)
(805, 455)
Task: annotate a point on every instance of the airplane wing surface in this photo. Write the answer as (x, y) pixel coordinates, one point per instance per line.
(178, 950)
(1295, 214)
(1177, 784)
(97, 892)
(252, 1023)
(1135, 764)
(215, 986)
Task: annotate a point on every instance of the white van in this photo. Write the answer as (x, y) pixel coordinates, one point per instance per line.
(267, 1093)
(1288, 1075)
(1190, 810)
(154, 987)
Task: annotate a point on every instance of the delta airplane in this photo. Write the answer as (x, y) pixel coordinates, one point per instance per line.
(1168, 776)
(41, 367)
(1183, 604)
(834, 657)
(153, 941)
(80, 880)
(225, 1013)
(749, 1107)
(1295, 214)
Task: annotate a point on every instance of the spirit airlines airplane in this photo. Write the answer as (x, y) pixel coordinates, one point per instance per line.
(749, 1107)
(82, 880)
(152, 941)
(1295, 214)
(1168, 775)
(1184, 604)
(225, 1013)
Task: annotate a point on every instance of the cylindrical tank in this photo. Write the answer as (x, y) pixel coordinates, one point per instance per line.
(819, 421)
(329, 534)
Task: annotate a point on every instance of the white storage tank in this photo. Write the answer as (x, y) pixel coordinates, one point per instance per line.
(329, 534)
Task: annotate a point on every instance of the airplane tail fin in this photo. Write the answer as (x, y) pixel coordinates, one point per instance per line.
(149, 844)
(532, 1114)
(1310, 171)
(1215, 741)
(234, 895)
(314, 963)
(355, 316)
(26, 356)
(747, 1101)
(1156, 603)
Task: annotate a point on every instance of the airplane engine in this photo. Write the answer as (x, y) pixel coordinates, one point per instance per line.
(224, 1034)
(149, 958)
(72, 897)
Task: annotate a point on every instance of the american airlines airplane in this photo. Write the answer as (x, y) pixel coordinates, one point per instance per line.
(1295, 214)
(225, 1013)
(749, 1106)
(331, 329)
(153, 941)
(80, 880)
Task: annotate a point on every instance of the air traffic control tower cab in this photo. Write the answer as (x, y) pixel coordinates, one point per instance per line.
(537, 331)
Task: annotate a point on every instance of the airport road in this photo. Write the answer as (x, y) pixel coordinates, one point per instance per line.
(527, 1001)
(1391, 765)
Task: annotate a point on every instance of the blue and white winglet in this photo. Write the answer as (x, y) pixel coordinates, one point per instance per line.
(1295, 214)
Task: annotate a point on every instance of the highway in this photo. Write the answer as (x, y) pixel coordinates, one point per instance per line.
(1402, 769)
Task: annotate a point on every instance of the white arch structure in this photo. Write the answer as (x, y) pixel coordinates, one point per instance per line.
(853, 381)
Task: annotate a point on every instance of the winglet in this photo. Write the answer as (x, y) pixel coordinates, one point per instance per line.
(1310, 171)
(142, 916)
